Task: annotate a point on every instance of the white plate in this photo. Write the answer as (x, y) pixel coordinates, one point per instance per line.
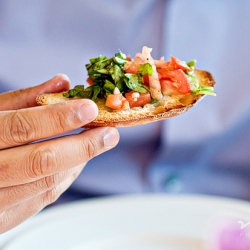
(126, 222)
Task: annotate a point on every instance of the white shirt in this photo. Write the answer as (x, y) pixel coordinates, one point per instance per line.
(203, 151)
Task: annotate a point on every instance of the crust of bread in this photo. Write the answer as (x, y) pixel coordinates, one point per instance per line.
(163, 109)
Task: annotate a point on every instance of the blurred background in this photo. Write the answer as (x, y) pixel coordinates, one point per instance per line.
(204, 151)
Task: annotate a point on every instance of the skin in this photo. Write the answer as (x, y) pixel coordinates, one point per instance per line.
(33, 175)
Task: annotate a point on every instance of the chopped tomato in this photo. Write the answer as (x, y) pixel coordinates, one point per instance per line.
(176, 63)
(128, 58)
(168, 87)
(161, 64)
(145, 79)
(178, 78)
(90, 81)
(117, 102)
(137, 99)
(133, 66)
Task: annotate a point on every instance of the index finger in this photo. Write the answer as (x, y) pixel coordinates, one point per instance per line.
(27, 125)
(25, 98)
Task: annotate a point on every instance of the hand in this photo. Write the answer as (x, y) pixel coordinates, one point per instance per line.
(33, 175)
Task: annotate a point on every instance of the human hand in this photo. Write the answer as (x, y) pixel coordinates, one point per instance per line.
(34, 174)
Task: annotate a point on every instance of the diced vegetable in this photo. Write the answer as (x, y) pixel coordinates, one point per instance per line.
(117, 102)
(137, 99)
(179, 79)
(126, 83)
(176, 63)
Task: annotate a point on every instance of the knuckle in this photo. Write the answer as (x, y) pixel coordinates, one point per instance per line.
(61, 120)
(20, 128)
(90, 148)
(49, 181)
(42, 162)
(51, 196)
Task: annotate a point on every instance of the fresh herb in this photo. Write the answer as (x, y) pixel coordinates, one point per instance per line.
(97, 59)
(116, 73)
(134, 82)
(193, 81)
(204, 90)
(74, 92)
(108, 88)
(191, 63)
(96, 90)
(153, 101)
(120, 58)
(108, 73)
(145, 69)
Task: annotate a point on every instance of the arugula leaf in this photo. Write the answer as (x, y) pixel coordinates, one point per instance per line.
(133, 82)
(204, 90)
(193, 81)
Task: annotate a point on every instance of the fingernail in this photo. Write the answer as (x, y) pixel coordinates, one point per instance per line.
(88, 111)
(111, 138)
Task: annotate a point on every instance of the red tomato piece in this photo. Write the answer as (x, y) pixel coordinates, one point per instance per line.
(117, 102)
(133, 66)
(161, 64)
(176, 63)
(168, 87)
(128, 58)
(140, 101)
(90, 81)
(145, 80)
(179, 79)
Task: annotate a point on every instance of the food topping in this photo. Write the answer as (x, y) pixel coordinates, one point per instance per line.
(127, 83)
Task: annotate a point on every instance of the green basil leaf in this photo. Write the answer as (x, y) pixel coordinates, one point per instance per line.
(96, 90)
(74, 92)
(102, 71)
(108, 88)
(120, 55)
(145, 69)
(86, 93)
(120, 85)
(116, 73)
(119, 61)
(133, 82)
(153, 101)
(191, 63)
(97, 59)
(103, 63)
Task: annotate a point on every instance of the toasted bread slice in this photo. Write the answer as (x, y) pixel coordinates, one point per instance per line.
(166, 108)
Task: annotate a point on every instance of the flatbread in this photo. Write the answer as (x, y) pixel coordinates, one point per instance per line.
(166, 108)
